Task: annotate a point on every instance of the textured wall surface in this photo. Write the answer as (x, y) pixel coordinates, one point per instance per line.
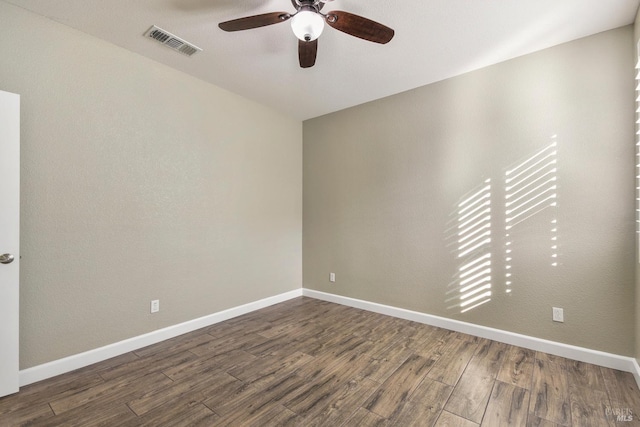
(636, 39)
(140, 183)
(385, 185)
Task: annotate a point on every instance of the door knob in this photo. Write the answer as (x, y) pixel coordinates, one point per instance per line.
(6, 259)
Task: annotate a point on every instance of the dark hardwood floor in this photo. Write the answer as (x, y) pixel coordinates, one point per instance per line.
(311, 363)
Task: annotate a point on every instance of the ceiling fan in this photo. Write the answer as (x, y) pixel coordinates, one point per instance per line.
(308, 22)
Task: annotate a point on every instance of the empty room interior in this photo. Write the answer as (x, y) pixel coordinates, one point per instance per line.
(414, 214)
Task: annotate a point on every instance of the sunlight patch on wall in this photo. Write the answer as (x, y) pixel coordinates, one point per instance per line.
(473, 249)
(530, 188)
(528, 218)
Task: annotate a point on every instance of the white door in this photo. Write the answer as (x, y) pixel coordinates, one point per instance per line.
(9, 240)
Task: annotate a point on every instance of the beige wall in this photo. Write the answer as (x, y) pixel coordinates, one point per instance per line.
(140, 183)
(382, 182)
(636, 39)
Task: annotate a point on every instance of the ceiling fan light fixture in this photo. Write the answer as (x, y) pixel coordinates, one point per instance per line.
(307, 25)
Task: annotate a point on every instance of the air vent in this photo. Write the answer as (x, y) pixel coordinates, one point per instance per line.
(174, 42)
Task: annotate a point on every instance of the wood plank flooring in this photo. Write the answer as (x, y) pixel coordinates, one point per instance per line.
(312, 363)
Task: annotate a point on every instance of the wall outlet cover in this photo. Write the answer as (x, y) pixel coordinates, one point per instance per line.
(558, 314)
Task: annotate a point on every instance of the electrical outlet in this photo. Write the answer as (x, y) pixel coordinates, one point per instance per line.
(155, 305)
(558, 314)
(332, 277)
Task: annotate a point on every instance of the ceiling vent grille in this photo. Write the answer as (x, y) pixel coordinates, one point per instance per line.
(174, 42)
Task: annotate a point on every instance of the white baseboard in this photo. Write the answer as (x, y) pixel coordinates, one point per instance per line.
(636, 371)
(608, 360)
(68, 364)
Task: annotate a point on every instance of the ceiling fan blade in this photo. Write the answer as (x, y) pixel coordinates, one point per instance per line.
(307, 53)
(358, 26)
(254, 21)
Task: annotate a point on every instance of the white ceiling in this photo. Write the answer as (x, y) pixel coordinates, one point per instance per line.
(434, 40)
